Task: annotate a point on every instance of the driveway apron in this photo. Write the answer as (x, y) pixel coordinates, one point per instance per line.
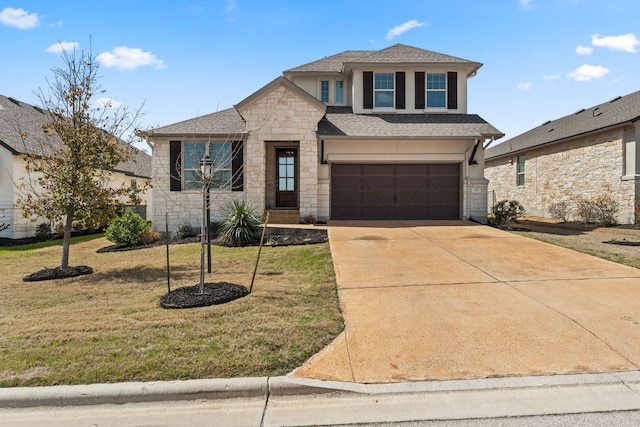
(439, 300)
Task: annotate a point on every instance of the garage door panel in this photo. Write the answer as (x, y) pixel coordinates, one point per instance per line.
(416, 191)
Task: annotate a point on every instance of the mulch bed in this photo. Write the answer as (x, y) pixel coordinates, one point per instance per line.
(284, 237)
(58, 273)
(623, 242)
(214, 293)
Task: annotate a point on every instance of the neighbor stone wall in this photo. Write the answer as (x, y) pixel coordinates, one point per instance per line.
(567, 171)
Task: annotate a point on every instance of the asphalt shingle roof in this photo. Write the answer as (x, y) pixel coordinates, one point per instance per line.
(224, 122)
(21, 133)
(618, 111)
(396, 54)
(341, 121)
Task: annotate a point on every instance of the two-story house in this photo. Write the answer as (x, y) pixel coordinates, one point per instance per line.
(361, 135)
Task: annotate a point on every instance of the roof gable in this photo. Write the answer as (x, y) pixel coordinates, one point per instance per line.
(616, 112)
(280, 81)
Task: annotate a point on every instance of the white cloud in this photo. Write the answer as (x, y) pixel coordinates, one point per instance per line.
(106, 103)
(586, 72)
(62, 46)
(584, 50)
(231, 5)
(626, 42)
(403, 28)
(552, 76)
(524, 86)
(19, 18)
(526, 4)
(128, 58)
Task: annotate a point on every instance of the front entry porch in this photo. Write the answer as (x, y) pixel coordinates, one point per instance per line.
(282, 182)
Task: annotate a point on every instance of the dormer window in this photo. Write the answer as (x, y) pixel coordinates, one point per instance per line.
(383, 90)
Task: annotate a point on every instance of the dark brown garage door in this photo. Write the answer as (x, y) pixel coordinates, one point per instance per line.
(395, 191)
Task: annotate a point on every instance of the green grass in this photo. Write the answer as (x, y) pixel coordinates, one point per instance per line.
(109, 327)
(47, 244)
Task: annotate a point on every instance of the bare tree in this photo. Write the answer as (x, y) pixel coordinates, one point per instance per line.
(69, 177)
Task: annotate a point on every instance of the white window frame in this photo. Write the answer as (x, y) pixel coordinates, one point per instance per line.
(384, 90)
(427, 91)
(224, 170)
(520, 174)
(332, 90)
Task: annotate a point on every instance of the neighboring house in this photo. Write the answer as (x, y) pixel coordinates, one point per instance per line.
(21, 132)
(592, 152)
(361, 135)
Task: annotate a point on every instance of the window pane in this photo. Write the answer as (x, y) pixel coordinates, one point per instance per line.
(436, 99)
(193, 152)
(436, 81)
(290, 184)
(339, 92)
(220, 153)
(290, 170)
(384, 81)
(282, 184)
(221, 179)
(384, 99)
(324, 91)
(192, 180)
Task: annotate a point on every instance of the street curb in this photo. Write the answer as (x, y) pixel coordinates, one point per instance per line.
(283, 386)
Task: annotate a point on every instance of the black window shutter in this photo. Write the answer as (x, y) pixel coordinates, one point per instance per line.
(452, 90)
(420, 90)
(367, 90)
(237, 166)
(400, 90)
(175, 166)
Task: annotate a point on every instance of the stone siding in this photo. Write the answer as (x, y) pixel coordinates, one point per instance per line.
(567, 171)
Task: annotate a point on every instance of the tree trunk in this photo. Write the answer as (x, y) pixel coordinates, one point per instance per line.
(66, 242)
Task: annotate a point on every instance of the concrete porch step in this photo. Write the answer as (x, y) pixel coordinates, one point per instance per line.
(283, 216)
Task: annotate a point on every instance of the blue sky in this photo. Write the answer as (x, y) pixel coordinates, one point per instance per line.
(543, 59)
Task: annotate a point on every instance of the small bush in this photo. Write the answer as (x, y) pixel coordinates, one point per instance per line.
(148, 237)
(309, 219)
(505, 211)
(127, 229)
(601, 210)
(182, 231)
(43, 231)
(241, 226)
(559, 210)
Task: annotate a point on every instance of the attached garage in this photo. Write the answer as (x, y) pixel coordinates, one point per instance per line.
(395, 191)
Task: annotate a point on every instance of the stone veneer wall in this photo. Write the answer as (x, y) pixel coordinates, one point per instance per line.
(282, 116)
(181, 206)
(586, 167)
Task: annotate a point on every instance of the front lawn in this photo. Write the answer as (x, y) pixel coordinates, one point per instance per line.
(109, 327)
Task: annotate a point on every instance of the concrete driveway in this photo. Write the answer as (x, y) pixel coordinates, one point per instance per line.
(438, 300)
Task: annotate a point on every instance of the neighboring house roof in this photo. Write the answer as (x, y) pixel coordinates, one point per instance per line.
(340, 121)
(620, 111)
(396, 54)
(21, 133)
(222, 122)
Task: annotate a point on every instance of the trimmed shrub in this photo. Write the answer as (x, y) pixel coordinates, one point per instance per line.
(182, 231)
(559, 210)
(241, 226)
(601, 210)
(505, 211)
(148, 237)
(127, 229)
(43, 231)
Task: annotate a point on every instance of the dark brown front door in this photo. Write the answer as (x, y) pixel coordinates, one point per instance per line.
(286, 178)
(378, 191)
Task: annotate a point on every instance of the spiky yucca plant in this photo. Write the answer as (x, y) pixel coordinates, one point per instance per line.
(241, 226)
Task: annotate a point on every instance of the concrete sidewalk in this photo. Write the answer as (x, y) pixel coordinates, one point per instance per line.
(280, 402)
(457, 300)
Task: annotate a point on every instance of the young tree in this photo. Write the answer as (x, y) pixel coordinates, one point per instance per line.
(69, 176)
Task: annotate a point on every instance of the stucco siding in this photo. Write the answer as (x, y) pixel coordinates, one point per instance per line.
(567, 171)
